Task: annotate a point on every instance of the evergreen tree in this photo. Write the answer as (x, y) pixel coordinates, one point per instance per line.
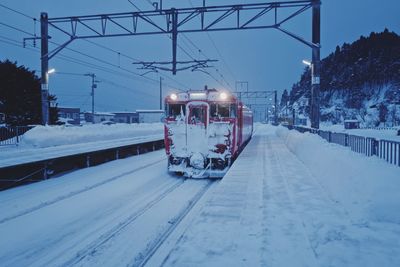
(383, 112)
(20, 94)
(284, 98)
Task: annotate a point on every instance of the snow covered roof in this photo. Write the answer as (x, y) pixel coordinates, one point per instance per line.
(149, 111)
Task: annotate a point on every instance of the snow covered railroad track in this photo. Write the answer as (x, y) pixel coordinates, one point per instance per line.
(107, 221)
(70, 194)
(101, 246)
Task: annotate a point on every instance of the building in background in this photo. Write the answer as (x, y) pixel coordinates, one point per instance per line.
(99, 117)
(126, 117)
(351, 124)
(148, 116)
(69, 115)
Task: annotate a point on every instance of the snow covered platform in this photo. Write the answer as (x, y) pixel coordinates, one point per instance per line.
(18, 156)
(47, 142)
(292, 199)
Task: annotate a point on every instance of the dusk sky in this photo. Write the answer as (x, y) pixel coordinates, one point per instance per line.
(266, 59)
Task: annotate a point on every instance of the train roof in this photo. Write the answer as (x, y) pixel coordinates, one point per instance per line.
(202, 95)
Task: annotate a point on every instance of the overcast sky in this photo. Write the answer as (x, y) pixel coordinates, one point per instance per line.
(266, 59)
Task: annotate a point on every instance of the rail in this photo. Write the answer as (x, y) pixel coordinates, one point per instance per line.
(384, 149)
(24, 173)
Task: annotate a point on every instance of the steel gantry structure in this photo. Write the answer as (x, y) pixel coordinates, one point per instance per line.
(183, 20)
(267, 95)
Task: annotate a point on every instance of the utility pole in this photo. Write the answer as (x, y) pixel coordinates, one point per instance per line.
(315, 64)
(161, 92)
(276, 107)
(94, 86)
(44, 51)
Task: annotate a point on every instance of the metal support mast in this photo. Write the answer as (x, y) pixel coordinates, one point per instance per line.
(44, 31)
(276, 107)
(174, 38)
(315, 64)
(183, 20)
(161, 93)
(94, 86)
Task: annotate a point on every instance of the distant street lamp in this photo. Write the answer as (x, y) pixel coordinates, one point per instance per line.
(315, 84)
(50, 71)
(306, 62)
(45, 100)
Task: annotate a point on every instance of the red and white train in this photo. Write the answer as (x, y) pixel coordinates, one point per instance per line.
(205, 131)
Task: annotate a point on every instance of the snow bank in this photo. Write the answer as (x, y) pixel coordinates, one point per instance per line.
(46, 136)
(386, 134)
(367, 186)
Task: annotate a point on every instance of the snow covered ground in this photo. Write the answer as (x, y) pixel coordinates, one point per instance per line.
(290, 199)
(108, 215)
(293, 199)
(47, 136)
(43, 142)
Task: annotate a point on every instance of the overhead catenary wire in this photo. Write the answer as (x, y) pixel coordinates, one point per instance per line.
(77, 61)
(91, 65)
(87, 64)
(218, 52)
(18, 12)
(84, 54)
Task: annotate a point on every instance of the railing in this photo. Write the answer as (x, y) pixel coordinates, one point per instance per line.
(384, 149)
(11, 135)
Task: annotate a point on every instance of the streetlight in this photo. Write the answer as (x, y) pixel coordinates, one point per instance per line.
(306, 62)
(46, 100)
(315, 86)
(50, 71)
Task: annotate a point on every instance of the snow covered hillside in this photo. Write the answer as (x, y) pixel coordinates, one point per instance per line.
(360, 81)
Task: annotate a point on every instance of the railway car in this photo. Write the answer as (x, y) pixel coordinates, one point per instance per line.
(205, 131)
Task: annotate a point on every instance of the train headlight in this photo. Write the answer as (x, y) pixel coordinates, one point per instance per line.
(223, 96)
(173, 97)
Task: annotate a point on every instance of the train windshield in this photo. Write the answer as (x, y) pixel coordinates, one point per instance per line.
(224, 110)
(176, 111)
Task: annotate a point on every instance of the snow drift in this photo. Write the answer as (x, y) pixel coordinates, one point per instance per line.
(368, 186)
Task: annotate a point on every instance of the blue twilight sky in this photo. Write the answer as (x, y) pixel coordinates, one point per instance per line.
(266, 59)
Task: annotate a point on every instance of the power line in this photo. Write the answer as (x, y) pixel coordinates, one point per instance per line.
(112, 50)
(18, 12)
(84, 54)
(91, 65)
(15, 28)
(218, 52)
(188, 54)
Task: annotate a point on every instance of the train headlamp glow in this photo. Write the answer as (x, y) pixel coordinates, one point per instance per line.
(173, 97)
(223, 96)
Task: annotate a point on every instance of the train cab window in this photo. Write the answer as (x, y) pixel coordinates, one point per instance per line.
(223, 110)
(176, 111)
(197, 115)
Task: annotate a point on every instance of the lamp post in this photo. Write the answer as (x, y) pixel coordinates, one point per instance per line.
(315, 81)
(45, 96)
(161, 92)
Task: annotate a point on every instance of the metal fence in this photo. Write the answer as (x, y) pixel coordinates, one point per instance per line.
(384, 149)
(11, 135)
